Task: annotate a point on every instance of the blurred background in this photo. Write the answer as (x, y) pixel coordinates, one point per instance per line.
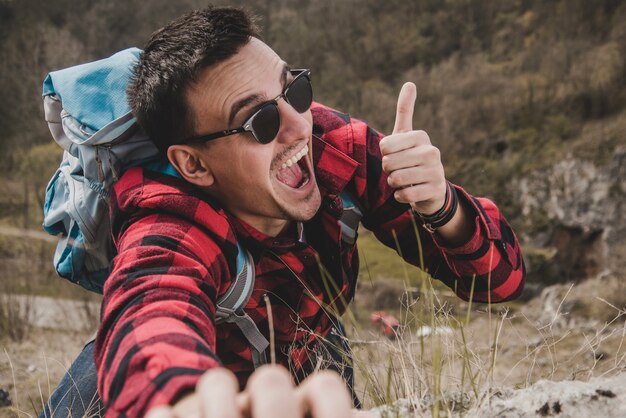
(525, 98)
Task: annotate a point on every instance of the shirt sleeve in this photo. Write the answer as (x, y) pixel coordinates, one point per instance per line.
(157, 334)
(489, 266)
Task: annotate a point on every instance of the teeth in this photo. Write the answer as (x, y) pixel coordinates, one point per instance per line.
(304, 151)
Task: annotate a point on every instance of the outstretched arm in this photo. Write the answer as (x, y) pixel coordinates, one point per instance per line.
(157, 335)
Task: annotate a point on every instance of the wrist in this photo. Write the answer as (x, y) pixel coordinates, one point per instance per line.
(441, 217)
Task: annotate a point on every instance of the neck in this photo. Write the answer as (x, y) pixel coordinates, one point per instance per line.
(268, 226)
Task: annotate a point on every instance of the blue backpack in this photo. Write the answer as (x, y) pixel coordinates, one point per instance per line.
(88, 115)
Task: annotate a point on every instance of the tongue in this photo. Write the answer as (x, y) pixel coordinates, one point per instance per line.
(291, 176)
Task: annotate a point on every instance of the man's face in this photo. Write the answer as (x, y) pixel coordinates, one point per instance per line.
(265, 185)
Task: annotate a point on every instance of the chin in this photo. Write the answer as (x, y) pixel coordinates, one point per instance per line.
(305, 210)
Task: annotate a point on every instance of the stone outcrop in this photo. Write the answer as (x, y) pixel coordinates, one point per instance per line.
(598, 397)
(581, 207)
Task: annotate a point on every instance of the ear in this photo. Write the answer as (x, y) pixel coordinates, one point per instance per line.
(190, 162)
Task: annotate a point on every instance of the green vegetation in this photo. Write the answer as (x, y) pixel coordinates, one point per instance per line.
(505, 87)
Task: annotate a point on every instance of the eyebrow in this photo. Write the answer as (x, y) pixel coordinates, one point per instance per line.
(240, 104)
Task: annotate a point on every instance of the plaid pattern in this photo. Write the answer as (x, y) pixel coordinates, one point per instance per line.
(176, 255)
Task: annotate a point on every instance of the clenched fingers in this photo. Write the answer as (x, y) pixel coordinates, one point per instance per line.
(419, 156)
(395, 143)
(430, 196)
(405, 177)
(160, 412)
(271, 394)
(325, 395)
(217, 390)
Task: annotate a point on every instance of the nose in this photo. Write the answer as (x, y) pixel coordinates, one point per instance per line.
(294, 126)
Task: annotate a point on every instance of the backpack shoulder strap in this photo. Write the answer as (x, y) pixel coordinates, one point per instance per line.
(350, 218)
(230, 306)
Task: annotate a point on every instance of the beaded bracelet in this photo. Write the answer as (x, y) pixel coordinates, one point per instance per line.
(443, 215)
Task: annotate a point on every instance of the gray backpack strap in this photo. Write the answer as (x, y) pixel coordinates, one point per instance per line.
(230, 307)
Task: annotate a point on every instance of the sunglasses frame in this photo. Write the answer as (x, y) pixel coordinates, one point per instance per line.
(247, 125)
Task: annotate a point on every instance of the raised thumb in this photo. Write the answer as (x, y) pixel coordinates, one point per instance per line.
(404, 110)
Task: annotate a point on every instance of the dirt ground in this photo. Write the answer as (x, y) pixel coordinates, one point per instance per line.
(31, 370)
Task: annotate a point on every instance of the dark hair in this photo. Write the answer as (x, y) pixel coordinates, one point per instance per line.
(173, 58)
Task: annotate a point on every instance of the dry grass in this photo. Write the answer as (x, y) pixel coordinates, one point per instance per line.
(31, 369)
(41, 339)
(570, 332)
(454, 371)
(15, 313)
(449, 356)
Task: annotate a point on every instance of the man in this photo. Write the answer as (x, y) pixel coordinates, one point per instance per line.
(262, 165)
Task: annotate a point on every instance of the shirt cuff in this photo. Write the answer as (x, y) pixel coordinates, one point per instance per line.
(482, 227)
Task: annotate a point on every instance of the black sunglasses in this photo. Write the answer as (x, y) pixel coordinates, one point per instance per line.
(265, 122)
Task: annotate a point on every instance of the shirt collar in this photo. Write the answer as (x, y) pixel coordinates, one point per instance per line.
(333, 168)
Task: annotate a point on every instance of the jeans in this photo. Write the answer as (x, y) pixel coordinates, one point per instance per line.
(341, 354)
(76, 396)
(331, 352)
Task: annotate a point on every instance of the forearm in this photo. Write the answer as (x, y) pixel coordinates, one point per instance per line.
(157, 334)
(152, 355)
(487, 262)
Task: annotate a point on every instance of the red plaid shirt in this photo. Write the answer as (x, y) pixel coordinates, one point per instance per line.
(176, 254)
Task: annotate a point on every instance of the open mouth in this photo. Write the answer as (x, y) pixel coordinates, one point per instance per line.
(295, 171)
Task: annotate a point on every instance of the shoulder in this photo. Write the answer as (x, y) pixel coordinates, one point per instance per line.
(338, 128)
(328, 118)
(162, 213)
(141, 192)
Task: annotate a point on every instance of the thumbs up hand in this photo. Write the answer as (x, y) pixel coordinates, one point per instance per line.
(412, 163)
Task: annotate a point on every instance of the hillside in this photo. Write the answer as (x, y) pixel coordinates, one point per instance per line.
(526, 100)
(506, 88)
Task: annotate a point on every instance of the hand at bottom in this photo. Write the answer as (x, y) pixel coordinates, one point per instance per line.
(270, 393)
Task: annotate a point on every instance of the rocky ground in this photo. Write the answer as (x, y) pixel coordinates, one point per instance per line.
(559, 354)
(599, 397)
(552, 360)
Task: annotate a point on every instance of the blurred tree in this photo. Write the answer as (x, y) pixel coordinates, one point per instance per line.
(497, 79)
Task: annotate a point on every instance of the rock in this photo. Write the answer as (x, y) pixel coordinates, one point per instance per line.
(577, 210)
(599, 397)
(5, 398)
(425, 331)
(555, 308)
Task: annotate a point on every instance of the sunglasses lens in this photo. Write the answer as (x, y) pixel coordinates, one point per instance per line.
(300, 94)
(266, 123)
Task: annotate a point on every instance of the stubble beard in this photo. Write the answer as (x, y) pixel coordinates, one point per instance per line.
(295, 215)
